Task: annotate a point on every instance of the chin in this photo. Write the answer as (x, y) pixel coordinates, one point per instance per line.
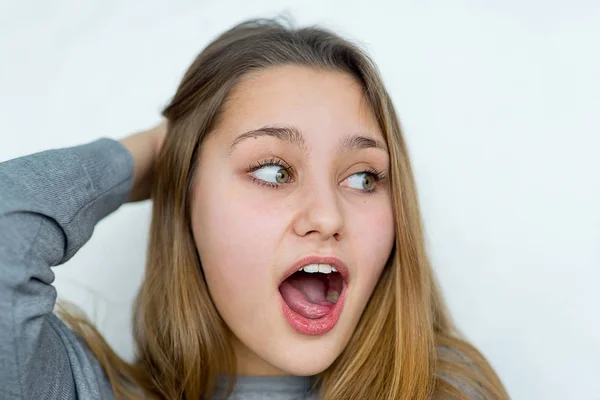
(302, 355)
(306, 365)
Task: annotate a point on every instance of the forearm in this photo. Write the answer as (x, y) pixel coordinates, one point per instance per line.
(74, 188)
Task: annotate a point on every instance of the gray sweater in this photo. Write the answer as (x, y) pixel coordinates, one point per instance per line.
(49, 205)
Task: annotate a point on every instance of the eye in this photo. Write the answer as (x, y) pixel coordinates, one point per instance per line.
(271, 173)
(365, 180)
(362, 181)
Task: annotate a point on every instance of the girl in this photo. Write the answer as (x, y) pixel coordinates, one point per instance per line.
(286, 256)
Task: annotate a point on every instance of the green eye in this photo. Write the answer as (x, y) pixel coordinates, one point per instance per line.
(282, 176)
(362, 181)
(368, 182)
(273, 174)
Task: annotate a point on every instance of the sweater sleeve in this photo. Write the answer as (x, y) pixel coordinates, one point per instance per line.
(49, 205)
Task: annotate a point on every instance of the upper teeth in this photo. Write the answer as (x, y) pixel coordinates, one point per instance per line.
(323, 268)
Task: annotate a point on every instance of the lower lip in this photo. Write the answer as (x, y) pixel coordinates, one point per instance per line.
(318, 326)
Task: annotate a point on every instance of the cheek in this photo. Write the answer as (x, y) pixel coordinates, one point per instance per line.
(235, 239)
(373, 242)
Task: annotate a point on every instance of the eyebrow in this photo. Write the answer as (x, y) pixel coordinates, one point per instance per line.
(291, 135)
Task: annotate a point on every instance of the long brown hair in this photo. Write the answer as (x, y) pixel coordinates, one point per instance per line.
(404, 347)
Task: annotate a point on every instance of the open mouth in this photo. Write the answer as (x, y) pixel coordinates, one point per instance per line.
(313, 296)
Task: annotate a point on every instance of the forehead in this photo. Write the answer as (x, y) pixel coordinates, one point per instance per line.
(320, 103)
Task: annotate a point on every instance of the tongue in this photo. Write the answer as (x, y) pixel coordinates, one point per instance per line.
(306, 294)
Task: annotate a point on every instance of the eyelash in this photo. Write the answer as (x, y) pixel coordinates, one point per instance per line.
(378, 175)
(273, 162)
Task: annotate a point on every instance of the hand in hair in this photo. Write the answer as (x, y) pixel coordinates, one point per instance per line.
(144, 147)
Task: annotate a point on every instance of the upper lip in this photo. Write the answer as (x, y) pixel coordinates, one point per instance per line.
(339, 265)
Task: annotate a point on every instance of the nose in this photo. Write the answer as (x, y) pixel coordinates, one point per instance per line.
(320, 212)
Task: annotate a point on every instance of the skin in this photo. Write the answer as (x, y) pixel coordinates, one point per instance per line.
(144, 147)
(248, 234)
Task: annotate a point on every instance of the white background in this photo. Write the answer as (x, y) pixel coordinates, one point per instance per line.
(500, 103)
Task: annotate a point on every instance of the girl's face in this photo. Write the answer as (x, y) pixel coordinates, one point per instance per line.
(298, 168)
